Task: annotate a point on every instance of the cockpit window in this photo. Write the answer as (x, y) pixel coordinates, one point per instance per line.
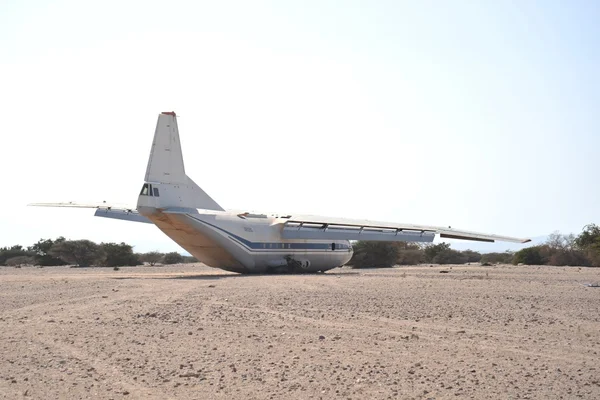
(155, 192)
(144, 191)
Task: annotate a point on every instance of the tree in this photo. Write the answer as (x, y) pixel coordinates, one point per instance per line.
(589, 237)
(152, 257)
(568, 257)
(410, 257)
(189, 259)
(529, 256)
(562, 250)
(588, 241)
(432, 250)
(172, 258)
(118, 255)
(409, 253)
(374, 254)
(42, 252)
(495, 258)
(20, 260)
(472, 256)
(83, 253)
(7, 253)
(450, 256)
(558, 241)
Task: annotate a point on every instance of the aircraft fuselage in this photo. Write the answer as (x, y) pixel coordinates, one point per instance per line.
(247, 244)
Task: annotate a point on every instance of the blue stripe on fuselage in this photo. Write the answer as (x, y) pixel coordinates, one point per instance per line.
(276, 246)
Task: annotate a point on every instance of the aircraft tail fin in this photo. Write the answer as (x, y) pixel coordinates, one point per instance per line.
(166, 184)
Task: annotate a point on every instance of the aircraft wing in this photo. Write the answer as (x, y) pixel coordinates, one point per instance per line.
(103, 209)
(312, 227)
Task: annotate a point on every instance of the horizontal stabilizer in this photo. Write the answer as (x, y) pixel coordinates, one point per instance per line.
(72, 204)
(125, 215)
(103, 209)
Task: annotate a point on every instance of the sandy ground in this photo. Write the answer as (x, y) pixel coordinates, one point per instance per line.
(191, 332)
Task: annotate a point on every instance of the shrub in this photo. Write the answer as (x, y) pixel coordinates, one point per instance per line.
(172, 258)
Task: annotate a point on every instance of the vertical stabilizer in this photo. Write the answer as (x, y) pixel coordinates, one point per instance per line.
(165, 164)
(166, 172)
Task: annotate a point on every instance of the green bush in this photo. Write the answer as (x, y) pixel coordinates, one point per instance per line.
(409, 253)
(42, 252)
(387, 254)
(449, 256)
(432, 250)
(119, 255)
(374, 254)
(189, 259)
(472, 256)
(588, 242)
(569, 257)
(529, 256)
(7, 253)
(20, 260)
(152, 257)
(498, 258)
(83, 253)
(410, 257)
(172, 258)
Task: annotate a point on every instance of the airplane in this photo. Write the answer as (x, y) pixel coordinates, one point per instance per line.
(247, 242)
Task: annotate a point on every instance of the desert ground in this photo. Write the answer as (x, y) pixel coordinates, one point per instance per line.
(192, 332)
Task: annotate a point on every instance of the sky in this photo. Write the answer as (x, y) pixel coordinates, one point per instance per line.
(479, 115)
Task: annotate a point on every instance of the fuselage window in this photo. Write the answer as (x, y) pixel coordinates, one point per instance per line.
(332, 246)
(155, 192)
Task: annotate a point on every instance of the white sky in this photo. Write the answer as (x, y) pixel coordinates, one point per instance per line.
(479, 116)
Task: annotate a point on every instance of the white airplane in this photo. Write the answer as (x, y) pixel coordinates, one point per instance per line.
(247, 242)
